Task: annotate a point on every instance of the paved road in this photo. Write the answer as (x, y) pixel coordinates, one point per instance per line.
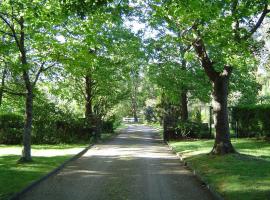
(133, 166)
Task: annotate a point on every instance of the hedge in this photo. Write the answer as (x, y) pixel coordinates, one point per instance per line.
(11, 128)
(252, 121)
(48, 130)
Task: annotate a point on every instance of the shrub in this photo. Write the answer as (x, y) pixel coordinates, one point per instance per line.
(11, 128)
(252, 120)
(108, 126)
(193, 129)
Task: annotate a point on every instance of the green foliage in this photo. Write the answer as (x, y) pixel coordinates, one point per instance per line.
(171, 71)
(11, 128)
(193, 129)
(252, 120)
(150, 115)
(82, 7)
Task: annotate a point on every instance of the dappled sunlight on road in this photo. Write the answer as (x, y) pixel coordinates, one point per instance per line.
(136, 165)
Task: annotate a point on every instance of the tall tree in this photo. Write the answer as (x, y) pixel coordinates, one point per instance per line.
(221, 36)
(30, 27)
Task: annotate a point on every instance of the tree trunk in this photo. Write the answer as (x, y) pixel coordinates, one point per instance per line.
(220, 82)
(2, 85)
(135, 115)
(165, 129)
(134, 107)
(26, 152)
(220, 110)
(184, 106)
(88, 100)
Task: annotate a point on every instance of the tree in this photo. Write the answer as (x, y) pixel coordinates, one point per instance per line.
(172, 71)
(96, 53)
(221, 36)
(29, 27)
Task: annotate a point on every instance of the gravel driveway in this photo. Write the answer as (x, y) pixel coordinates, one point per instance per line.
(134, 165)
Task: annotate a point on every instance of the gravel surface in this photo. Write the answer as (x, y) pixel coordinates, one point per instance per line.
(134, 165)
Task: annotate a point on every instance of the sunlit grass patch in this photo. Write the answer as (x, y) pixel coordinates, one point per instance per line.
(238, 176)
(15, 177)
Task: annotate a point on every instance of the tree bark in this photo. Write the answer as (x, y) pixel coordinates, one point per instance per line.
(220, 81)
(135, 115)
(2, 85)
(134, 106)
(26, 152)
(184, 106)
(88, 98)
(222, 143)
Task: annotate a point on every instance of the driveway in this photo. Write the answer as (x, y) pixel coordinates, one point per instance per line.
(136, 165)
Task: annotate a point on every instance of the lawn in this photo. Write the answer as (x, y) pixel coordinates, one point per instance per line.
(15, 177)
(240, 176)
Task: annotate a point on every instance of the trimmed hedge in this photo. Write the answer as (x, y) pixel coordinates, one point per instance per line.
(193, 130)
(11, 128)
(49, 130)
(252, 121)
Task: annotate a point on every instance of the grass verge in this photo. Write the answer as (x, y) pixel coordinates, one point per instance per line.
(14, 176)
(238, 176)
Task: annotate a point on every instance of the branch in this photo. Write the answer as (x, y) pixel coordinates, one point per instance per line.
(259, 22)
(11, 27)
(41, 69)
(50, 66)
(207, 64)
(6, 33)
(9, 91)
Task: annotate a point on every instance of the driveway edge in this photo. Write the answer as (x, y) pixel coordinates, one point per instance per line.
(197, 174)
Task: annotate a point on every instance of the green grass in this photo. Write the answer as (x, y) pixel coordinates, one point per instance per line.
(122, 126)
(14, 176)
(238, 176)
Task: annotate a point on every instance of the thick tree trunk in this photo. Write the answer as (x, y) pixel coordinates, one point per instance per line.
(88, 100)
(220, 82)
(184, 106)
(220, 95)
(26, 152)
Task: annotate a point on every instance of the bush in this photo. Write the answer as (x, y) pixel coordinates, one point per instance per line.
(51, 125)
(193, 130)
(252, 120)
(108, 126)
(11, 128)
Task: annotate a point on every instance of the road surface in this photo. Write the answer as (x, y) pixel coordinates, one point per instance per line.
(136, 165)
